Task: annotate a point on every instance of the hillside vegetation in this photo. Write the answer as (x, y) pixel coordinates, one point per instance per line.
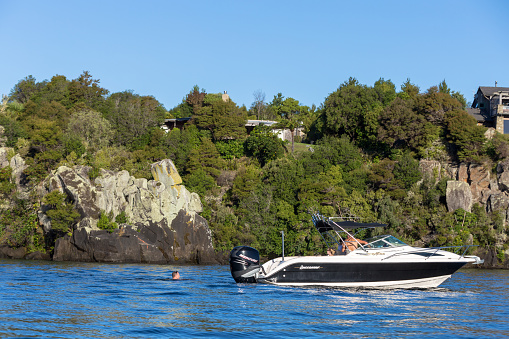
(359, 157)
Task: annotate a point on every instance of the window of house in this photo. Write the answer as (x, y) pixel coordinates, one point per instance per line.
(506, 126)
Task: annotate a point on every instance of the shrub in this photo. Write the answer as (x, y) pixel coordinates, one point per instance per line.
(230, 149)
(122, 218)
(6, 184)
(18, 226)
(62, 213)
(105, 222)
(200, 182)
(264, 145)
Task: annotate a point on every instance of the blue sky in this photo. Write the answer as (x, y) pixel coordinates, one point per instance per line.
(303, 49)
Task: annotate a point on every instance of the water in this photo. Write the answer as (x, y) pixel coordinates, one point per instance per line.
(84, 300)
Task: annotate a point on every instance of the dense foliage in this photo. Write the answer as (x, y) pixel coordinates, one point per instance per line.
(360, 157)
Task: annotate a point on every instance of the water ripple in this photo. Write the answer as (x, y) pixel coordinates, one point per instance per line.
(85, 300)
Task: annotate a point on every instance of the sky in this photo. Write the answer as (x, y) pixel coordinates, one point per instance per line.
(303, 49)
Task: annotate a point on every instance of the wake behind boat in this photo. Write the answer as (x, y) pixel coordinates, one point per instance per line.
(379, 262)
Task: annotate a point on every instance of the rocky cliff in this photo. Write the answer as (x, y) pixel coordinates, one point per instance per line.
(471, 184)
(164, 224)
(163, 221)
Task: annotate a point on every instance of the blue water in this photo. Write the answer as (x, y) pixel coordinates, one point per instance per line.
(83, 300)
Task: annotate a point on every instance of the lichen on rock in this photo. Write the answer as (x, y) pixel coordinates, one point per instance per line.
(159, 211)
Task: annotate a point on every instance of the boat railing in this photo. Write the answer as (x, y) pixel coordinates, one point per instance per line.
(336, 240)
(433, 250)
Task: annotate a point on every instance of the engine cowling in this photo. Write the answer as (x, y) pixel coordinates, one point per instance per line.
(244, 264)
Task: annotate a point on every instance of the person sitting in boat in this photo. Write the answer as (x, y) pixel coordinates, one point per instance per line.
(339, 251)
(351, 244)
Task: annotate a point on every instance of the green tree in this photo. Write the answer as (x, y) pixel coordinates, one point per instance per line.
(72, 144)
(462, 130)
(338, 151)
(91, 127)
(106, 222)
(51, 111)
(180, 143)
(246, 182)
(224, 120)
(56, 90)
(497, 148)
(122, 218)
(132, 117)
(25, 89)
(19, 226)
(200, 182)
(461, 98)
(406, 170)
(382, 177)
(353, 110)
(13, 130)
(230, 149)
(324, 189)
(264, 145)
(400, 126)
(195, 98)
(44, 134)
(275, 104)
(86, 90)
(409, 91)
(291, 112)
(443, 88)
(7, 187)
(207, 158)
(385, 90)
(435, 104)
(284, 175)
(62, 213)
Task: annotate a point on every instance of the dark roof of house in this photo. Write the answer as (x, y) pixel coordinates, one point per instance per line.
(490, 91)
(476, 113)
(177, 119)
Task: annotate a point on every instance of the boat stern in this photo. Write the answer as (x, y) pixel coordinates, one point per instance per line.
(244, 264)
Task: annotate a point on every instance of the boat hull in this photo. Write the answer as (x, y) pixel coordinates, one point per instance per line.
(407, 284)
(369, 275)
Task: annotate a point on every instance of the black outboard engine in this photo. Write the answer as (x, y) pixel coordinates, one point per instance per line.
(244, 264)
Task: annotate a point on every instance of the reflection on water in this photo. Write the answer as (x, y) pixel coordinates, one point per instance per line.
(83, 300)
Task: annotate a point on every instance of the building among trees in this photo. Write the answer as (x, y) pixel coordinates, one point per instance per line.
(491, 108)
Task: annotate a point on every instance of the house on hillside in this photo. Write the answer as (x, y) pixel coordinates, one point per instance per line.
(170, 124)
(491, 108)
(283, 134)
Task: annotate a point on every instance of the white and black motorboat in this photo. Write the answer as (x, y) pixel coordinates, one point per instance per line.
(379, 262)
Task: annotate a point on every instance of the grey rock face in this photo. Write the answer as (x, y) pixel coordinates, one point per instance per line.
(458, 195)
(431, 168)
(503, 174)
(12, 253)
(164, 225)
(479, 179)
(497, 202)
(18, 166)
(3, 156)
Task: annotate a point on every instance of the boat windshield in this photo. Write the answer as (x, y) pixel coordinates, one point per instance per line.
(382, 241)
